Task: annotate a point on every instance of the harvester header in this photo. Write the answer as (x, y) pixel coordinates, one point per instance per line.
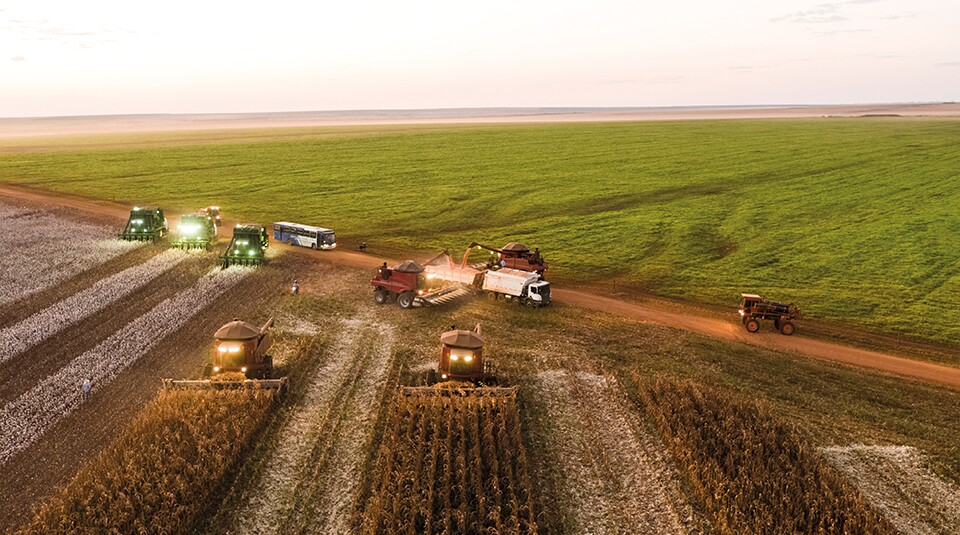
(247, 247)
(145, 224)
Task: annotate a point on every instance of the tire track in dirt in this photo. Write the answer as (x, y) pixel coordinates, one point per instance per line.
(616, 477)
(56, 456)
(897, 481)
(312, 476)
(30, 367)
(15, 311)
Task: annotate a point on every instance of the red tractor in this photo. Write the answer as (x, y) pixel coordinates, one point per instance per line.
(515, 256)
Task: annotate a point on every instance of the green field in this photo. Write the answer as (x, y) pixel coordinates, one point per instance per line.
(856, 220)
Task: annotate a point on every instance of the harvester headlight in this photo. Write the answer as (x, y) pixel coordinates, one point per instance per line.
(222, 349)
(454, 357)
(252, 252)
(216, 369)
(419, 292)
(430, 275)
(443, 376)
(234, 349)
(468, 358)
(243, 369)
(741, 312)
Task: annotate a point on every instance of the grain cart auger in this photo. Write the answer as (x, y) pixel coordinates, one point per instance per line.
(240, 360)
(515, 256)
(754, 308)
(247, 246)
(145, 224)
(195, 231)
(463, 369)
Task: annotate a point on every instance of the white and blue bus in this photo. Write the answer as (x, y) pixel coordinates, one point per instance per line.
(304, 235)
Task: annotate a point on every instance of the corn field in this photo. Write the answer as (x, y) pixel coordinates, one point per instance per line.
(163, 471)
(750, 471)
(451, 464)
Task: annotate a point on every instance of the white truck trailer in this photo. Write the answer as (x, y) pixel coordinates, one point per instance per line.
(507, 283)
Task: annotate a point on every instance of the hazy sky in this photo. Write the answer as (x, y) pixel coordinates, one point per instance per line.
(103, 56)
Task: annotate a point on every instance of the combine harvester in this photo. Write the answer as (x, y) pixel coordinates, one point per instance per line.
(754, 308)
(239, 348)
(145, 224)
(247, 247)
(441, 280)
(463, 369)
(514, 256)
(196, 231)
(213, 212)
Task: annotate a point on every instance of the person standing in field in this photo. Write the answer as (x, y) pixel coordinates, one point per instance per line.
(85, 389)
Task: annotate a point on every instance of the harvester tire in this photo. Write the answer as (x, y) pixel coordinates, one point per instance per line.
(380, 296)
(405, 300)
(752, 325)
(788, 328)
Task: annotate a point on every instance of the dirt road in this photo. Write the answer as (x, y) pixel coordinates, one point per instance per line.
(718, 328)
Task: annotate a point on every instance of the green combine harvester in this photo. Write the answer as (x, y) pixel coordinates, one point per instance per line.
(145, 224)
(196, 231)
(247, 246)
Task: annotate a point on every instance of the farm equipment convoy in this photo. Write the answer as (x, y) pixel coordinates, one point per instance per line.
(239, 348)
(515, 256)
(247, 247)
(195, 231)
(145, 224)
(754, 308)
(441, 280)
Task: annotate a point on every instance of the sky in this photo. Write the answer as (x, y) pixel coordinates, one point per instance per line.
(95, 57)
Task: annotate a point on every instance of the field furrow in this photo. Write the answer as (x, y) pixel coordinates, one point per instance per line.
(27, 417)
(30, 331)
(317, 461)
(898, 482)
(42, 249)
(615, 478)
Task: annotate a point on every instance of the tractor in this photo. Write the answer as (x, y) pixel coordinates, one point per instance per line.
(214, 212)
(515, 256)
(240, 360)
(247, 246)
(145, 224)
(195, 231)
(754, 308)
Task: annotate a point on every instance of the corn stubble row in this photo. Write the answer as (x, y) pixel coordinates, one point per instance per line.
(160, 474)
(451, 465)
(752, 472)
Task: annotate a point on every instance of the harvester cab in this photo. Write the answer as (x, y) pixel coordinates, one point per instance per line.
(240, 361)
(754, 308)
(462, 359)
(213, 212)
(515, 256)
(247, 246)
(242, 347)
(145, 224)
(195, 231)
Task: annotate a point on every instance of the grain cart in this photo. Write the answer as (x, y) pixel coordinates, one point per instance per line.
(407, 283)
(195, 231)
(754, 308)
(240, 350)
(145, 224)
(515, 256)
(247, 246)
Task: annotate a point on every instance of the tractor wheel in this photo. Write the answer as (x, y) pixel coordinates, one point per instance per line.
(405, 300)
(788, 328)
(752, 325)
(381, 296)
